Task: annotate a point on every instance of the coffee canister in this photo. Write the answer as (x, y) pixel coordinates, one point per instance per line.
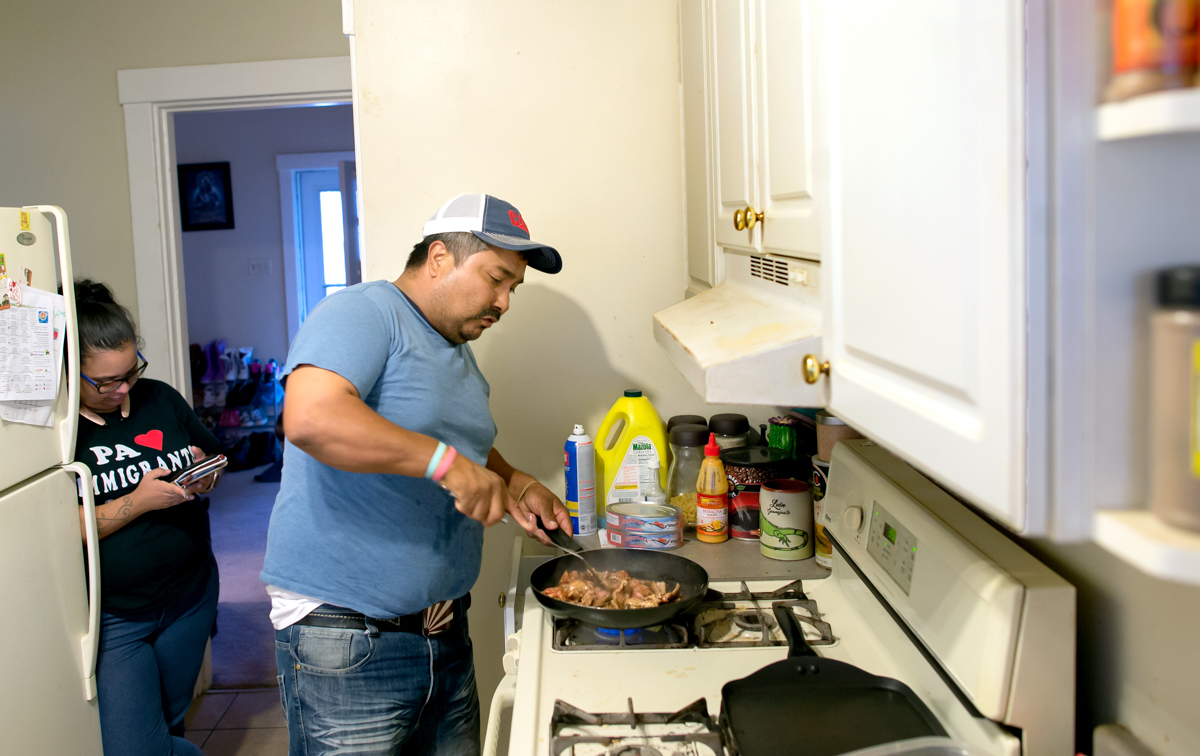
(823, 548)
(785, 512)
(830, 430)
(747, 468)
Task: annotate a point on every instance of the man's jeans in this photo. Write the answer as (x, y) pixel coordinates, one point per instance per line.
(147, 670)
(365, 692)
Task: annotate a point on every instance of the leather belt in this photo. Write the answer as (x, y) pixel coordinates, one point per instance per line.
(430, 621)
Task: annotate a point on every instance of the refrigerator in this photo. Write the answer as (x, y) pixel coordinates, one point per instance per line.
(49, 572)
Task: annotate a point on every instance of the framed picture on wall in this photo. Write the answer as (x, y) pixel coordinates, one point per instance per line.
(205, 196)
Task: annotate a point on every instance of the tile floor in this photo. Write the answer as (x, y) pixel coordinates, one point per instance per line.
(247, 723)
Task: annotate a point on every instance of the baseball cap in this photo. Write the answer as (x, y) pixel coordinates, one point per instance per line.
(495, 222)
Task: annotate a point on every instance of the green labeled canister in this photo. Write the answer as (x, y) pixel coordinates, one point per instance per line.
(785, 520)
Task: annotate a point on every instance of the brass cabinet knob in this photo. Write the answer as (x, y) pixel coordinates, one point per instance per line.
(813, 368)
(502, 600)
(752, 217)
(739, 221)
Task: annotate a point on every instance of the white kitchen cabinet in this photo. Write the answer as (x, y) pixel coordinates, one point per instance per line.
(926, 269)
(747, 72)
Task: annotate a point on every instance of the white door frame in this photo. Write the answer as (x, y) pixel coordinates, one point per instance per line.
(288, 165)
(150, 97)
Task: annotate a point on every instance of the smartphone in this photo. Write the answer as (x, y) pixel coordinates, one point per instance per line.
(205, 467)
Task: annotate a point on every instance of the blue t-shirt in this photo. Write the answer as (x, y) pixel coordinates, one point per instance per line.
(379, 544)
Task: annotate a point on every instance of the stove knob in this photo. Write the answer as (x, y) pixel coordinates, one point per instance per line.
(853, 518)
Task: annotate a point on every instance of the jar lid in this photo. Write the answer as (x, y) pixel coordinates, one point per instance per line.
(685, 420)
(1179, 287)
(729, 424)
(632, 394)
(824, 418)
(689, 435)
(754, 456)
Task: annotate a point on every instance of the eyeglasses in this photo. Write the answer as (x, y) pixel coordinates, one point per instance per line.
(103, 387)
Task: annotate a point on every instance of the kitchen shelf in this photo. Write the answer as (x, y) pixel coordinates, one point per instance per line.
(1147, 543)
(1170, 112)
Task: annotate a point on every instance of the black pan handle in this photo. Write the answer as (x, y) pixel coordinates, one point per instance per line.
(559, 536)
(790, 626)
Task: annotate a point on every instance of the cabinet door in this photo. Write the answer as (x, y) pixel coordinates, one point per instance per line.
(733, 118)
(924, 252)
(784, 106)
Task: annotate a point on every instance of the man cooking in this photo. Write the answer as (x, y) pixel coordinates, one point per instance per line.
(389, 478)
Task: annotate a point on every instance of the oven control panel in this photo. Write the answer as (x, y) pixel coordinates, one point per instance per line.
(892, 545)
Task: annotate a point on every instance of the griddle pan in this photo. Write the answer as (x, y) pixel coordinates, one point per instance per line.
(644, 564)
(820, 706)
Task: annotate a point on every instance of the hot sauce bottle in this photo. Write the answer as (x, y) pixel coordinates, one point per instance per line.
(712, 496)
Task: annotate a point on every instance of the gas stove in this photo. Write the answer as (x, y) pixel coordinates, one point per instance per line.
(722, 620)
(980, 631)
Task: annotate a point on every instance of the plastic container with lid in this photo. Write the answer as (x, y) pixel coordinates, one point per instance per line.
(747, 468)
(687, 454)
(1174, 493)
(830, 430)
(685, 420)
(732, 430)
(631, 435)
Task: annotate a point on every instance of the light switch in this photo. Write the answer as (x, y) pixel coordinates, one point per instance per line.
(260, 267)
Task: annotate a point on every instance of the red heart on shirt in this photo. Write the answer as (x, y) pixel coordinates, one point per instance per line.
(152, 439)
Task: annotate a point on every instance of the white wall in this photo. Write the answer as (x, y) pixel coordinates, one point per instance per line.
(225, 300)
(571, 112)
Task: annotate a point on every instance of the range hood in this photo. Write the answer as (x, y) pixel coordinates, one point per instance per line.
(744, 341)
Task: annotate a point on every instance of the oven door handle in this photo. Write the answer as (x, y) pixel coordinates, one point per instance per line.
(502, 699)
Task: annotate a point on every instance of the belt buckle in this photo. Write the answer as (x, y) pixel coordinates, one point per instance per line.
(436, 619)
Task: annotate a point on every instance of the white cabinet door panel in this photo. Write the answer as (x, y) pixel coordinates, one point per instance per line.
(924, 253)
(733, 118)
(785, 141)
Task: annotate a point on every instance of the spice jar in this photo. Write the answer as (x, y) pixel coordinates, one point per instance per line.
(732, 430)
(1175, 399)
(685, 420)
(747, 468)
(687, 454)
(830, 430)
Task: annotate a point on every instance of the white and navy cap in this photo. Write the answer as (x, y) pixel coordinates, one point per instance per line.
(495, 222)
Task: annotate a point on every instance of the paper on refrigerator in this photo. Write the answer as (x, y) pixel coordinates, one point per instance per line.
(31, 356)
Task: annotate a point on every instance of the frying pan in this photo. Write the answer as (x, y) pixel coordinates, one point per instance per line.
(647, 565)
(827, 706)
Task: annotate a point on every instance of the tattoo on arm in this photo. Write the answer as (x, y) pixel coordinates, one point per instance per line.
(107, 522)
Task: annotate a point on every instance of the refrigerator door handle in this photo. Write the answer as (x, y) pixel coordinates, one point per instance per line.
(69, 425)
(91, 642)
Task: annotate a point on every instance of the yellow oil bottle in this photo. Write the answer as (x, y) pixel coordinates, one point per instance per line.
(623, 461)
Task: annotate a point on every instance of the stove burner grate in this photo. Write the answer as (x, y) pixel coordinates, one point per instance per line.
(631, 733)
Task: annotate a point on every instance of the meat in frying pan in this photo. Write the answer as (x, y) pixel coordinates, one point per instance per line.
(616, 591)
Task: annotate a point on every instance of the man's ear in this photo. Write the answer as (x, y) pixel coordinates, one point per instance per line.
(440, 260)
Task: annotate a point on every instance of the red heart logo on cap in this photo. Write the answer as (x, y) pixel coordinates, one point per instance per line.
(152, 439)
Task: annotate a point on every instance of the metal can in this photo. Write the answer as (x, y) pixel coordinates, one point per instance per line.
(632, 517)
(823, 551)
(653, 541)
(747, 468)
(786, 520)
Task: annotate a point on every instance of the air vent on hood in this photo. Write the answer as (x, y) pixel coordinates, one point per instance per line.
(744, 341)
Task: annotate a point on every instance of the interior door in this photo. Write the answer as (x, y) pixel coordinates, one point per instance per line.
(47, 652)
(733, 118)
(924, 259)
(348, 182)
(784, 83)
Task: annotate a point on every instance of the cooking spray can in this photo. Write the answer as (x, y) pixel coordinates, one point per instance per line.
(579, 456)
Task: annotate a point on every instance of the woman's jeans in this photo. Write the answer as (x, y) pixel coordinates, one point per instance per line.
(147, 670)
(350, 691)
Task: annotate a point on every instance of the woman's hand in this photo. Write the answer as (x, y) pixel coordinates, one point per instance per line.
(478, 492)
(155, 493)
(208, 482)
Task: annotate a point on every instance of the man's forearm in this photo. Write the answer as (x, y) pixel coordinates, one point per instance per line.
(340, 430)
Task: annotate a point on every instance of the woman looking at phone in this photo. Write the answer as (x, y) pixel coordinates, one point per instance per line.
(158, 577)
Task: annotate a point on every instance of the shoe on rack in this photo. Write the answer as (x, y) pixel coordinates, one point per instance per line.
(211, 363)
(231, 365)
(259, 417)
(244, 354)
(220, 388)
(210, 394)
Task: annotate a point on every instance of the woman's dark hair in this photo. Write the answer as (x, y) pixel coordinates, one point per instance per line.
(104, 325)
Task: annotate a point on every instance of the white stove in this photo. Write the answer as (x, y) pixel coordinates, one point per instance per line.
(922, 590)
